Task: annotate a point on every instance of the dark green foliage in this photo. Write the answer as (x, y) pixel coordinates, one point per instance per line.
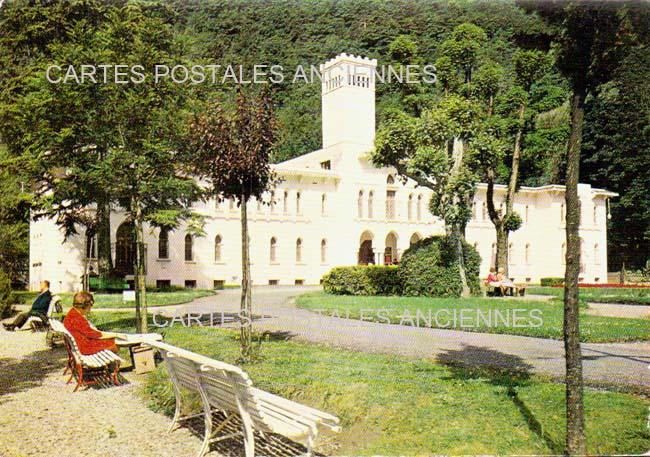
(549, 282)
(7, 297)
(429, 268)
(363, 280)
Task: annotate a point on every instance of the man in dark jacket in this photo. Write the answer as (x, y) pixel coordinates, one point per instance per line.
(39, 308)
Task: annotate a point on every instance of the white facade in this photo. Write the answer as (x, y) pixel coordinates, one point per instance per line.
(335, 208)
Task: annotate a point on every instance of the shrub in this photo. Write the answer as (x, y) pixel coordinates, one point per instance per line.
(7, 297)
(362, 280)
(550, 282)
(429, 268)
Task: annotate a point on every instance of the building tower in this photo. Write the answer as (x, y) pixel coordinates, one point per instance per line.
(348, 100)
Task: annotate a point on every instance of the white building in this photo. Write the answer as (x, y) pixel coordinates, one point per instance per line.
(333, 208)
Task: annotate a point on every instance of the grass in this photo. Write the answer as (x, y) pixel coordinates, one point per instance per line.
(115, 300)
(597, 295)
(390, 405)
(547, 315)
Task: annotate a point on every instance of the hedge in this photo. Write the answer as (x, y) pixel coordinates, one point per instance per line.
(362, 280)
(551, 282)
(429, 268)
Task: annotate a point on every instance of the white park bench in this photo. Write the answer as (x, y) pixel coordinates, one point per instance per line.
(97, 368)
(228, 389)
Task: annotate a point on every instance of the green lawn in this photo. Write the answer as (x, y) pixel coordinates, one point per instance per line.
(542, 319)
(391, 405)
(630, 296)
(115, 300)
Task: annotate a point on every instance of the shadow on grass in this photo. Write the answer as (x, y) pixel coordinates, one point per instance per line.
(499, 369)
(18, 375)
(268, 444)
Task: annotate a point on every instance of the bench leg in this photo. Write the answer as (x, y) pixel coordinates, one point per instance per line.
(80, 378)
(310, 445)
(177, 410)
(207, 420)
(249, 440)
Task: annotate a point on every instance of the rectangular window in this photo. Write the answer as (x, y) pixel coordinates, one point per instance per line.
(274, 282)
(218, 284)
(190, 283)
(326, 165)
(299, 282)
(163, 283)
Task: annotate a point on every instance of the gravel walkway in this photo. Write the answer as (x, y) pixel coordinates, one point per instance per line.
(603, 363)
(40, 416)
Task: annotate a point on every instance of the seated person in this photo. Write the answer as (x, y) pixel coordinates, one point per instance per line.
(39, 308)
(89, 340)
(509, 287)
(493, 281)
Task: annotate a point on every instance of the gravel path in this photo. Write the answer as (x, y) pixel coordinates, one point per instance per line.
(40, 416)
(610, 363)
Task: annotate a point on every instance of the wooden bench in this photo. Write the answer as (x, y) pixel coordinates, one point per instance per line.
(226, 388)
(98, 368)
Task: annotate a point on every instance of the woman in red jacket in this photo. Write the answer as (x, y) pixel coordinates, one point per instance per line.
(89, 340)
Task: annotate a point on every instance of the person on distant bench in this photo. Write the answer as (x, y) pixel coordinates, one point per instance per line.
(89, 340)
(509, 287)
(39, 308)
(493, 281)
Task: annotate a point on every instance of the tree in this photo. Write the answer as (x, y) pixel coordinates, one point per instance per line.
(592, 39)
(36, 116)
(426, 149)
(528, 66)
(230, 149)
(86, 145)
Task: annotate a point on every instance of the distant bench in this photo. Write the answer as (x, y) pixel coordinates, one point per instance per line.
(226, 388)
(98, 368)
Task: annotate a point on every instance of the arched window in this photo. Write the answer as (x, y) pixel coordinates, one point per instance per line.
(273, 250)
(410, 207)
(217, 204)
(259, 205)
(562, 214)
(563, 253)
(323, 206)
(419, 208)
(217, 248)
(390, 204)
(596, 254)
(298, 203)
(323, 251)
(526, 214)
(189, 248)
(527, 254)
(484, 211)
(390, 180)
(370, 204)
(299, 250)
(595, 215)
(163, 244)
(510, 251)
(360, 205)
(272, 203)
(474, 210)
(285, 202)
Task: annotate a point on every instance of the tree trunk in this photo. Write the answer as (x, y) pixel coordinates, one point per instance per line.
(104, 257)
(501, 260)
(245, 306)
(140, 275)
(575, 433)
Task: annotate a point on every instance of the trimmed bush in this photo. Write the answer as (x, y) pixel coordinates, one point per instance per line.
(362, 280)
(429, 268)
(550, 282)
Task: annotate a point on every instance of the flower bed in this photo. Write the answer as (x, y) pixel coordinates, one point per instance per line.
(609, 286)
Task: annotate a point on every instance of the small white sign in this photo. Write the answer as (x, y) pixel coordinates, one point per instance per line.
(128, 295)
